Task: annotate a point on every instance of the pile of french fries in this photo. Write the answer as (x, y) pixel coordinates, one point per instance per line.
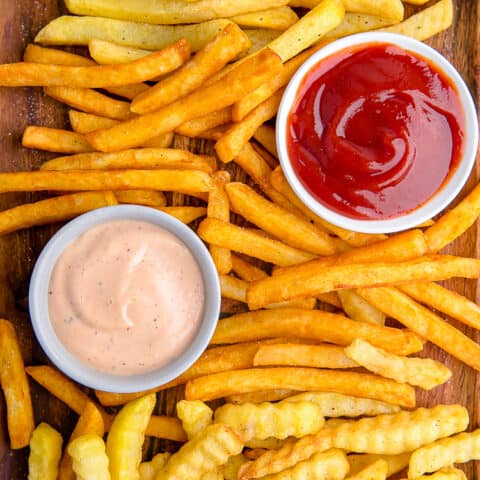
(314, 384)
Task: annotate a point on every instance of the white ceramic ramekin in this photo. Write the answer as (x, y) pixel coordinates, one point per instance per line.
(73, 367)
(436, 203)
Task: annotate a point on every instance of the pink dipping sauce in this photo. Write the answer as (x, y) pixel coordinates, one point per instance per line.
(126, 297)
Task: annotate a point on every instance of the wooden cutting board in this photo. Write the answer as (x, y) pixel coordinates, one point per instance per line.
(20, 20)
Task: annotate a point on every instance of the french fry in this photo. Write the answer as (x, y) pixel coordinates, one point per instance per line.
(54, 140)
(195, 416)
(15, 388)
(110, 53)
(359, 309)
(45, 453)
(444, 452)
(245, 270)
(358, 275)
(265, 135)
(279, 18)
(89, 458)
(268, 157)
(225, 46)
(72, 30)
(375, 471)
(331, 298)
(446, 473)
(419, 319)
(197, 126)
(139, 159)
(250, 243)
(170, 428)
(447, 301)
(427, 22)
(125, 439)
(230, 469)
(255, 166)
(314, 325)
(309, 29)
(146, 68)
(185, 214)
(167, 180)
(266, 420)
(226, 91)
(270, 443)
(365, 385)
(53, 210)
(395, 463)
(150, 198)
(148, 470)
(231, 144)
(359, 22)
(338, 405)
(422, 372)
(91, 101)
(277, 221)
(219, 207)
(259, 396)
(317, 356)
(207, 451)
(260, 38)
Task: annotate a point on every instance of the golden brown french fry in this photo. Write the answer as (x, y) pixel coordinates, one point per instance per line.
(185, 214)
(421, 320)
(249, 243)
(279, 18)
(331, 298)
(271, 160)
(427, 22)
(231, 144)
(265, 135)
(245, 270)
(364, 385)
(317, 356)
(225, 46)
(260, 396)
(359, 22)
(260, 38)
(53, 210)
(55, 140)
(150, 198)
(314, 325)
(357, 308)
(169, 428)
(146, 68)
(226, 91)
(91, 101)
(255, 166)
(219, 207)
(360, 275)
(167, 180)
(197, 126)
(278, 221)
(15, 388)
(309, 29)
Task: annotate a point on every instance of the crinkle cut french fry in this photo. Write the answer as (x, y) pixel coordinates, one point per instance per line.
(277, 420)
(231, 468)
(395, 463)
(14, 384)
(314, 325)
(422, 372)
(52, 210)
(446, 473)
(148, 470)
(424, 322)
(359, 22)
(151, 198)
(45, 453)
(265, 135)
(375, 471)
(270, 443)
(360, 275)
(185, 214)
(427, 22)
(166, 180)
(90, 460)
(55, 140)
(220, 94)
(170, 428)
(279, 18)
(195, 127)
(194, 415)
(259, 396)
(146, 68)
(447, 451)
(224, 47)
(208, 450)
(357, 308)
(365, 385)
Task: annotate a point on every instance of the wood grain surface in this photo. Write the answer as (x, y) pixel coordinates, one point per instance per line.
(20, 20)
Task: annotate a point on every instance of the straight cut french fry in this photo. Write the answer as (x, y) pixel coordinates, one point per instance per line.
(279, 18)
(110, 53)
(425, 323)
(197, 126)
(150, 198)
(357, 308)
(265, 135)
(157, 63)
(245, 270)
(185, 214)
(260, 396)
(250, 243)
(359, 22)
(167, 180)
(364, 385)
(55, 140)
(226, 91)
(14, 383)
(53, 210)
(225, 46)
(169, 428)
(337, 277)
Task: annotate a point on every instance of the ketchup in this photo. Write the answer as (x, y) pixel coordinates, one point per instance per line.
(375, 131)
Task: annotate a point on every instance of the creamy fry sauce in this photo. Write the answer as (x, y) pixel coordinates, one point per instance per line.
(126, 297)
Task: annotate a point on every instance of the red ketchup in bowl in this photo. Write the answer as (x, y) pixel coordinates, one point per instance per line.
(375, 131)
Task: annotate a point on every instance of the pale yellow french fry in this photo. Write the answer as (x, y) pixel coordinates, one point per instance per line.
(89, 458)
(148, 470)
(395, 463)
(161, 426)
(260, 396)
(125, 439)
(150, 198)
(207, 451)
(427, 22)
(260, 38)
(53, 210)
(359, 309)
(110, 53)
(45, 453)
(197, 126)
(422, 372)
(231, 468)
(279, 18)
(424, 322)
(265, 135)
(270, 443)
(446, 473)
(277, 420)
(185, 214)
(359, 22)
(195, 416)
(55, 140)
(447, 451)
(375, 471)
